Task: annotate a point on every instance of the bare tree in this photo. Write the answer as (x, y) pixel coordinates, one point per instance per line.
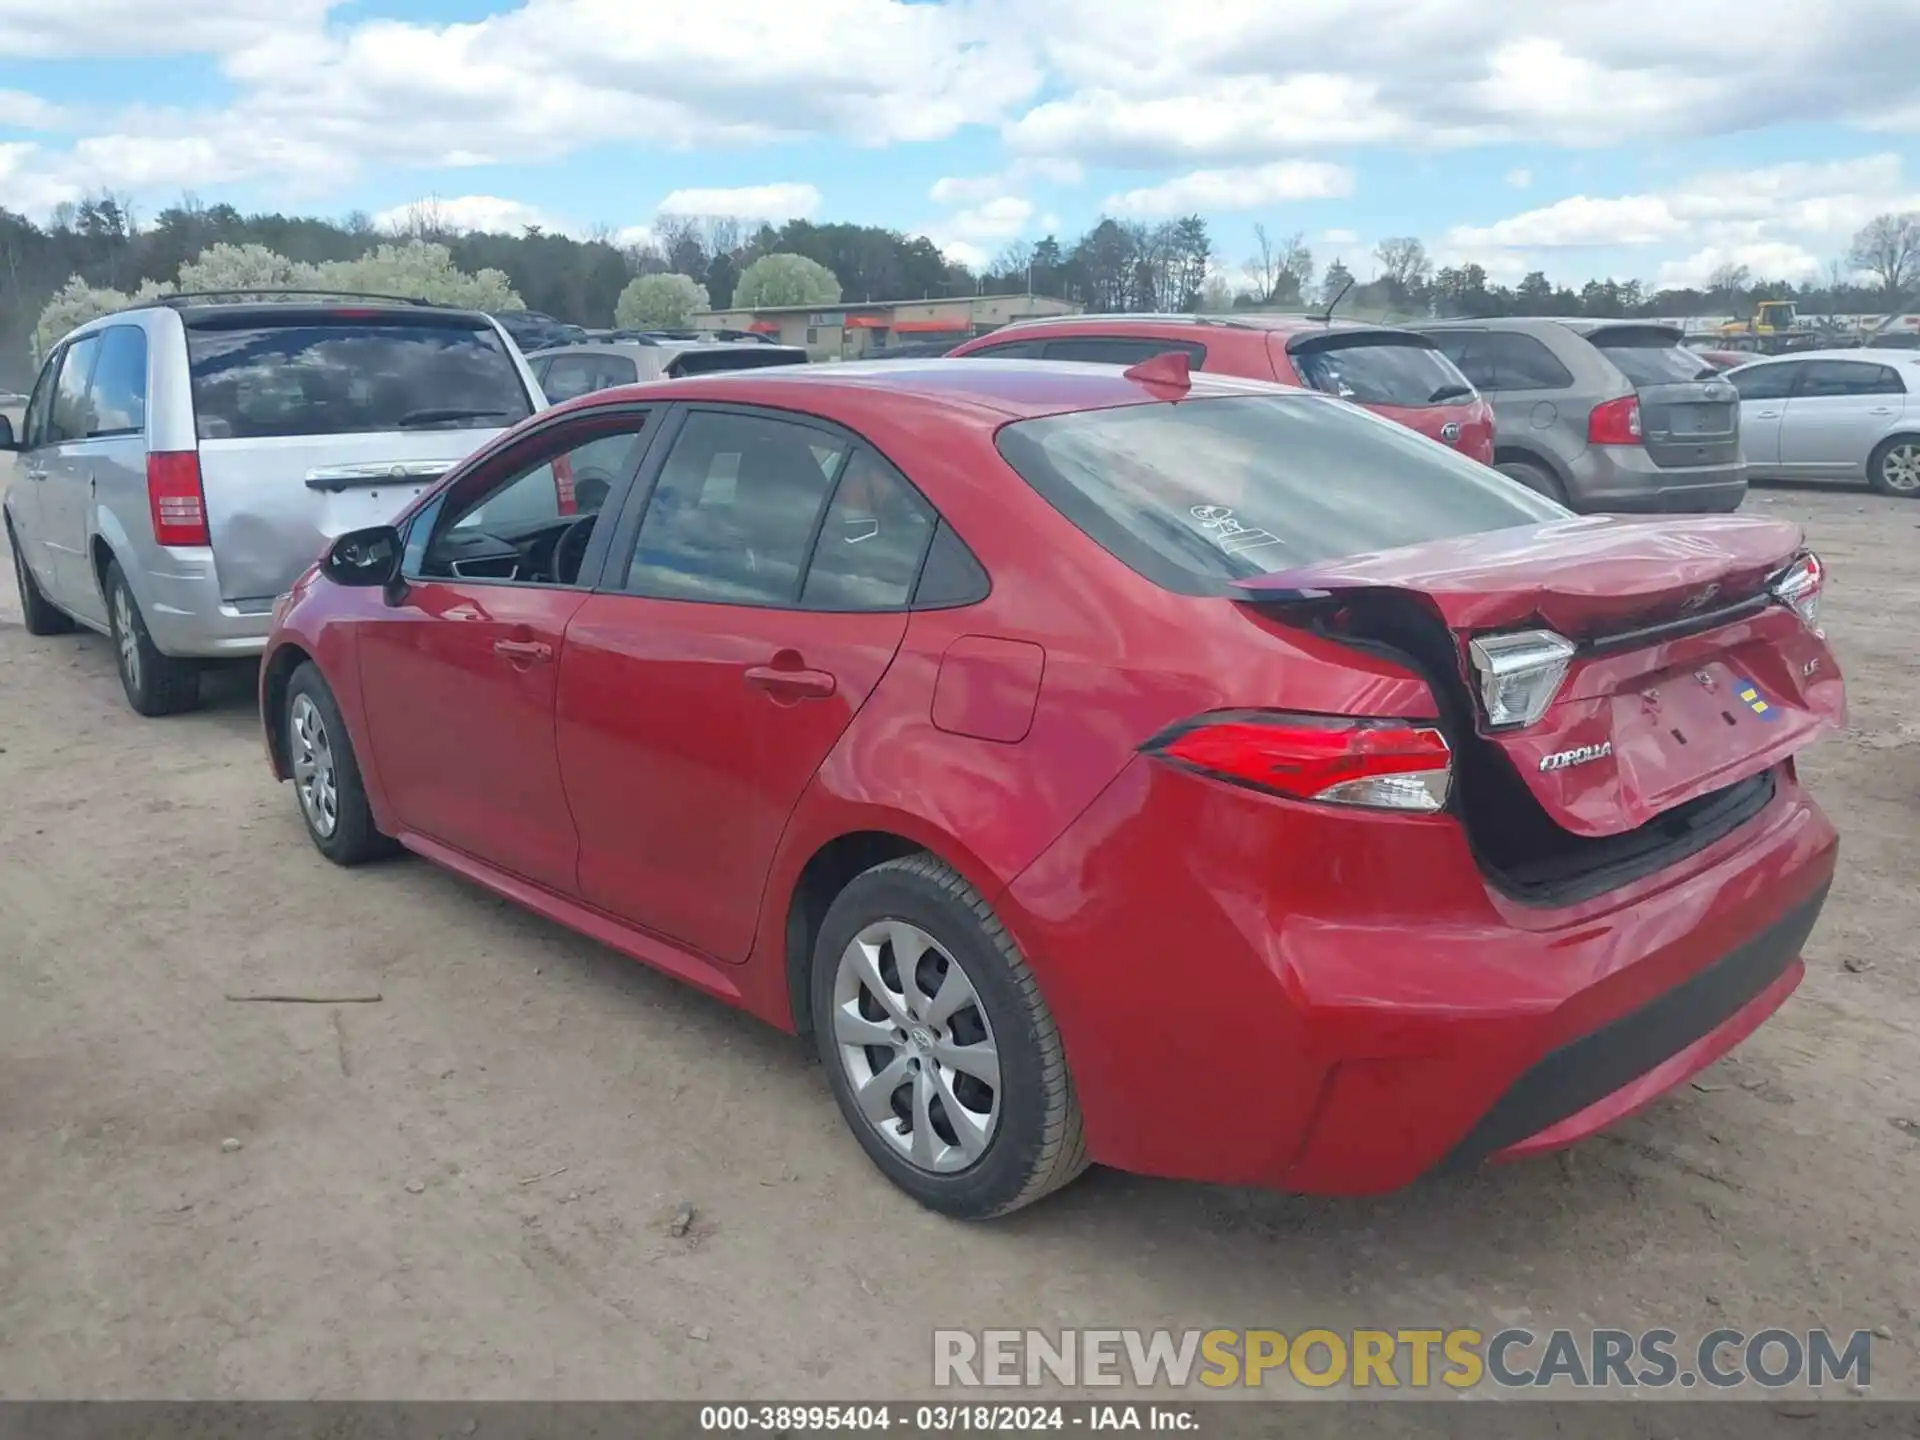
(1728, 282)
(1403, 260)
(1264, 265)
(1888, 248)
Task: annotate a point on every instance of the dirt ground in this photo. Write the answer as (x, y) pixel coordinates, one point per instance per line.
(466, 1189)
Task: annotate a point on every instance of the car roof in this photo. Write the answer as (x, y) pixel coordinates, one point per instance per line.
(1251, 320)
(1883, 356)
(1004, 390)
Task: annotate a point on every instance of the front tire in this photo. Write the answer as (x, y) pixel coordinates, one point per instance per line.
(1895, 468)
(41, 615)
(943, 1057)
(156, 684)
(326, 774)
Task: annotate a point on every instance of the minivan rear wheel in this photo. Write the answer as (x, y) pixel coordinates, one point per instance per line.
(1895, 467)
(41, 615)
(156, 684)
(942, 1054)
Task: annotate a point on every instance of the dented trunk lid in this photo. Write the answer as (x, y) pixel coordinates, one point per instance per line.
(1687, 675)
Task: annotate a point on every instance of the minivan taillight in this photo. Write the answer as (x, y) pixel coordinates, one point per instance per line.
(1381, 764)
(174, 495)
(1616, 422)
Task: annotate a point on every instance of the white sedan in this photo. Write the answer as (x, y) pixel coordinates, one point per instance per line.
(1833, 415)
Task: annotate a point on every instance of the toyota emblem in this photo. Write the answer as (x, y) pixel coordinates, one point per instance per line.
(1450, 433)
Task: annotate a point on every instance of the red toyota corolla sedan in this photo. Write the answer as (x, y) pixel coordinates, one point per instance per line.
(1400, 374)
(1188, 774)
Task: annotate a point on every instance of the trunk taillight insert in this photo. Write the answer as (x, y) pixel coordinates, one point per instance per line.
(1378, 764)
(1520, 674)
(1799, 587)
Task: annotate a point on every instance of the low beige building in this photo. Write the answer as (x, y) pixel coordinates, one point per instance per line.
(846, 332)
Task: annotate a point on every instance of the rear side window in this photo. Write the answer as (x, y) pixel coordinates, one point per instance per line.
(869, 551)
(1651, 357)
(570, 376)
(1013, 350)
(1395, 372)
(320, 377)
(1495, 360)
(1197, 494)
(1112, 350)
(1825, 378)
(119, 393)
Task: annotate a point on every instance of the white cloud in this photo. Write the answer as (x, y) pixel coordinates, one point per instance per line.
(1577, 221)
(27, 112)
(788, 200)
(1248, 189)
(1339, 237)
(1139, 82)
(47, 29)
(1774, 260)
(960, 252)
(487, 213)
(1001, 218)
(1520, 179)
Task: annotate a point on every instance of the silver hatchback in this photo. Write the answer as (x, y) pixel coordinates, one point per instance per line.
(181, 463)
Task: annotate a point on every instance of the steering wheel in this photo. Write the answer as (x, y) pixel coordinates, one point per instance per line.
(570, 551)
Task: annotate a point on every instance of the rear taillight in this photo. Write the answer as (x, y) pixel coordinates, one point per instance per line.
(1617, 422)
(1382, 764)
(1799, 586)
(1520, 673)
(175, 498)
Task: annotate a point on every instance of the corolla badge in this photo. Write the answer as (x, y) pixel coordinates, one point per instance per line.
(1580, 755)
(1694, 604)
(1450, 432)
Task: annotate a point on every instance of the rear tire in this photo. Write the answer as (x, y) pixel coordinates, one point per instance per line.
(1895, 467)
(41, 615)
(326, 774)
(1018, 1133)
(156, 684)
(1536, 478)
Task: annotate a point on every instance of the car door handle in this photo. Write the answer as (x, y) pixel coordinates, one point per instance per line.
(791, 681)
(523, 652)
(1768, 415)
(1881, 410)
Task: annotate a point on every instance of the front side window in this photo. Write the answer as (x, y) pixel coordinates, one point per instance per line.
(734, 513)
(1198, 494)
(33, 427)
(1766, 382)
(569, 377)
(533, 523)
(72, 417)
(1111, 350)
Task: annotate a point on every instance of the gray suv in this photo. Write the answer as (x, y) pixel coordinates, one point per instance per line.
(181, 463)
(1603, 415)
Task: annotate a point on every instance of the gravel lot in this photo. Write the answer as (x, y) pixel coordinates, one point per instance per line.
(467, 1189)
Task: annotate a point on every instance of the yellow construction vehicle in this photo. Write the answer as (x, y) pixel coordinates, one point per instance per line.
(1773, 328)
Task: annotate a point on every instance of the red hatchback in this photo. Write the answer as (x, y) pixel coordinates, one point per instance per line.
(1202, 778)
(1395, 373)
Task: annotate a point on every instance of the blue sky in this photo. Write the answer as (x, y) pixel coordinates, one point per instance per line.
(1589, 138)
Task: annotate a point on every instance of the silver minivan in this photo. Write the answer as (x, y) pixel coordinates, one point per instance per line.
(181, 463)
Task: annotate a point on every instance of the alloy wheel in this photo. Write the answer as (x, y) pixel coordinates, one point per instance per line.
(126, 637)
(314, 776)
(1900, 469)
(916, 1046)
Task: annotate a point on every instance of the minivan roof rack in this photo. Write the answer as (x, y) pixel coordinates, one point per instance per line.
(184, 296)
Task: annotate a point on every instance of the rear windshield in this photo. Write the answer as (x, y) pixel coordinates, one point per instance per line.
(1652, 357)
(1201, 493)
(704, 362)
(1383, 372)
(316, 378)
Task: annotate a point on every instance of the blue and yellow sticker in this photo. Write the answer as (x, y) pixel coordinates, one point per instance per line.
(1751, 697)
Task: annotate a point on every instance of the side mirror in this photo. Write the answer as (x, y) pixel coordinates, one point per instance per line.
(367, 558)
(7, 442)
